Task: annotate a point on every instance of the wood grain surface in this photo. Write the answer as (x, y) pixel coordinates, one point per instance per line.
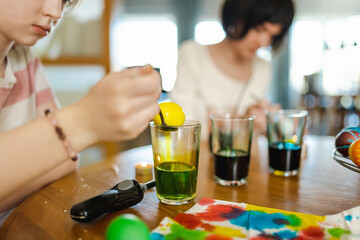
(322, 187)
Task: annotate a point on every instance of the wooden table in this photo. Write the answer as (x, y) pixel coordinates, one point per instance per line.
(322, 187)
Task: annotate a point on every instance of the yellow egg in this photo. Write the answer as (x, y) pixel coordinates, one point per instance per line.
(173, 114)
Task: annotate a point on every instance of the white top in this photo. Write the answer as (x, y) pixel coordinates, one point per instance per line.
(200, 84)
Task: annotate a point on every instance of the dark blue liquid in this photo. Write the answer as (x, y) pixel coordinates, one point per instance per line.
(284, 156)
(231, 164)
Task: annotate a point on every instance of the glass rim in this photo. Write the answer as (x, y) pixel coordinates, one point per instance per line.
(231, 116)
(222, 108)
(287, 112)
(187, 124)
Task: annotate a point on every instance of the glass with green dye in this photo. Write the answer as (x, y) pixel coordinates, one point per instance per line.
(176, 180)
(176, 159)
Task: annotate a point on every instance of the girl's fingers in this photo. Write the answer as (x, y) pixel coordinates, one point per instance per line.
(132, 83)
(136, 123)
(133, 105)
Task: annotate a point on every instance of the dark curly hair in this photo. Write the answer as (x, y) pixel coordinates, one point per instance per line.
(239, 16)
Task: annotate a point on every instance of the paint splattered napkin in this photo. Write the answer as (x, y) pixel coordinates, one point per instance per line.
(221, 220)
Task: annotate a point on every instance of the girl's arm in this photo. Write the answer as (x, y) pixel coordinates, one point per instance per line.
(119, 107)
(57, 172)
(12, 200)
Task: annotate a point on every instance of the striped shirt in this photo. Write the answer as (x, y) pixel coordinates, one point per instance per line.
(24, 88)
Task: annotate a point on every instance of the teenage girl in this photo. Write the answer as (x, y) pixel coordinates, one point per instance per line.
(36, 149)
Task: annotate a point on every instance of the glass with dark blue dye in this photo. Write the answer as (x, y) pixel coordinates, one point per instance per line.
(285, 129)
(231, 146)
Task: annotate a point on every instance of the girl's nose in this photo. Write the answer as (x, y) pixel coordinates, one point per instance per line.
(53, 9)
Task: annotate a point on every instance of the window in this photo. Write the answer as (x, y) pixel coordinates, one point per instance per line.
(329, 48)
(140, 40)
(306, 51)
(209, 32)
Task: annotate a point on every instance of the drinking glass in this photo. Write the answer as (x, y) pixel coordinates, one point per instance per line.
(176, 159)
(231, 146)
(285, 129)
(216, 109)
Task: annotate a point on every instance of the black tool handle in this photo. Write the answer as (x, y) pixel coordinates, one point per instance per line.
(123, 195)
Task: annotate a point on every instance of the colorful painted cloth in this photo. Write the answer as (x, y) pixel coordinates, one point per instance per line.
(221, 220)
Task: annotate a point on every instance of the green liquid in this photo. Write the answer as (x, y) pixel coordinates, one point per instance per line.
(175, 181)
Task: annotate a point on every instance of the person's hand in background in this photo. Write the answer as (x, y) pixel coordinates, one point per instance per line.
(259, 111)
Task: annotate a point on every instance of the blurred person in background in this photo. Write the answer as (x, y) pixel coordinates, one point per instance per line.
(230, 73)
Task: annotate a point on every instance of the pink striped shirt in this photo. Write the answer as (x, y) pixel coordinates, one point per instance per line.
(24, 88)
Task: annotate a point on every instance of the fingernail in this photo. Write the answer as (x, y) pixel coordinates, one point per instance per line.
(146, 69)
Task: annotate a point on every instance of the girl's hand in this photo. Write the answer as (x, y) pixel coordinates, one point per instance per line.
(259, 110)
(121, 105)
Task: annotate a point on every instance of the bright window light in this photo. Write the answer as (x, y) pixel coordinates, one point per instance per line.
(330, 48)
(209, 32)
(139, 40)
(306, 50)
(341, 69)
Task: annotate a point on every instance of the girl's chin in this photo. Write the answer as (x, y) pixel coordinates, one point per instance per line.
(250, 55)
(28, 42)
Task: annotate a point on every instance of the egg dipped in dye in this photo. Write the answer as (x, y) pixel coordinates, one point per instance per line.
(345, 138)
(354, 152)
(173, 114)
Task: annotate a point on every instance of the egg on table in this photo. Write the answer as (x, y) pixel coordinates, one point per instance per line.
(127, 227)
